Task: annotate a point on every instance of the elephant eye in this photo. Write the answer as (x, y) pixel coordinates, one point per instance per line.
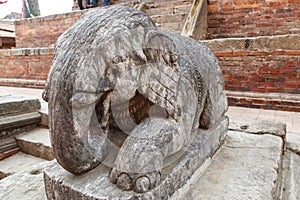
(117, 60)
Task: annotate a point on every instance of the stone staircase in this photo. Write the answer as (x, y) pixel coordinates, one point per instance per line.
(33, 147)
(17, 115)
(22, 142)
(169, 16)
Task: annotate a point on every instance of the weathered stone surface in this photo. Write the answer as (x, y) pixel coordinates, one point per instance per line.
(9, 122)
(291, 184)
(293, 142)
(12, 105)
(44, 118)
(36, 143)
(17, 163)
(25, 185)
(7, 144)
(11, 125)
(257, 126)
(96, 185)
(17, 114)
(155, 88)
(246, 167)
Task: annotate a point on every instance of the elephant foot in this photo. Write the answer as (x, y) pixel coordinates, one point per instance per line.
(139, 162)
(139, 183)
(137, 167)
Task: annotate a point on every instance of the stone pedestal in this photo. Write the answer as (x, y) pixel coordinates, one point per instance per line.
(95, 184)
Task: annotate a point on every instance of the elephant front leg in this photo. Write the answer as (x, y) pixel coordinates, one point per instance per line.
(140, 160)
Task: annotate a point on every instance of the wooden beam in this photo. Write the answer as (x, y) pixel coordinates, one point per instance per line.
(7, 42)
(195, 25)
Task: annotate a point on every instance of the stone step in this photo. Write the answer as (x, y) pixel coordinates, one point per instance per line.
(160, 19)
(9, 125)
(17, 163)
(170, 22)
(14, 105)
(7, 142)
(44, 118)
(27, 184)
(181, 9)
(36, 143)
(17, 115)
(248, 166)
(167, 3)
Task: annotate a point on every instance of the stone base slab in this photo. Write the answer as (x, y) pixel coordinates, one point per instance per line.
(95, 184)
(248, 166)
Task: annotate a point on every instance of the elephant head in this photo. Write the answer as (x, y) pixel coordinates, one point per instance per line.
(107, 59)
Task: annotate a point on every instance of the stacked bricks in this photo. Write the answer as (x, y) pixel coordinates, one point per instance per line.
(261, 65)
(43, 31)
(169, 15)
(275, 71)
(250, 18)
(27, 66)
(226, 19)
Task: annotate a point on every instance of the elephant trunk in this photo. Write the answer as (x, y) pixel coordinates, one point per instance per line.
(77, 138)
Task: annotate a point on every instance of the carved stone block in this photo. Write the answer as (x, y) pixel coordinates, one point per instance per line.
(124, 95)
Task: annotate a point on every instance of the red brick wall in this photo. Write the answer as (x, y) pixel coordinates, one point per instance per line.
(262, 72)
(43, 31)
(226, 18)
(248, 18)
(268, 80)
(276, 71)
(31, 64)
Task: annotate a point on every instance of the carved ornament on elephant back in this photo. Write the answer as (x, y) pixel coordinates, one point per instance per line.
(114, 75)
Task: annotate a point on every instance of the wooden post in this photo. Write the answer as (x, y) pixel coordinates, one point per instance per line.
(195, 25)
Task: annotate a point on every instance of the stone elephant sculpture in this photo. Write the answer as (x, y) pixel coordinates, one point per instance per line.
(114, 72)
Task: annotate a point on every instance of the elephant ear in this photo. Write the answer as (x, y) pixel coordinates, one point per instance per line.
(159, 77)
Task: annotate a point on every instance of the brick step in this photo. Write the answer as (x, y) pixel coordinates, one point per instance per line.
(271, 101)
(36, 143)
(172, 9)
(11, 82)
(170, 22)
(160, 19)
(165, 4)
